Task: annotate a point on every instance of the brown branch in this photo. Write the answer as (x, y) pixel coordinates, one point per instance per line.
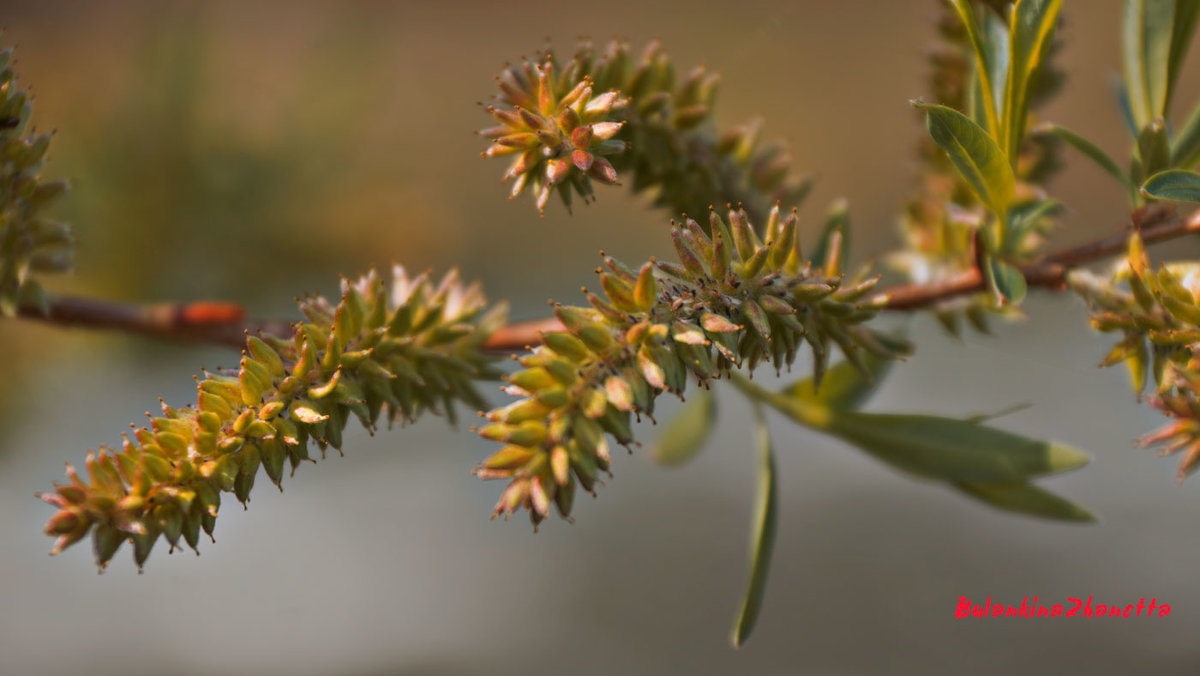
(224, 324)
(216, 323)
(1156, 224)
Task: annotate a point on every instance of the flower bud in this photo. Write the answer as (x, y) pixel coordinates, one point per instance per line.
(602, 171)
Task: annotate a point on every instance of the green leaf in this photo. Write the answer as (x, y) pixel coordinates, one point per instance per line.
(1025, 217)
(1025, 498)
(685, 435)
(837, 221)
(952, 450)
(997, 44)
(763, 534)
(1185, 153)
(1153, 151)
(947, 449)
(978, 418)
(844, 386)
(1177, 185)
(1006, 280)
(1125, 106)
(1187, 14)
(978, 317)
(1091, 151)
(1151, 60)
(974, 153)
(1031, 35)
(984, 70)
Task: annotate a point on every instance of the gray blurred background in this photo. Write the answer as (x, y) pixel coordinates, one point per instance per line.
(254, 151)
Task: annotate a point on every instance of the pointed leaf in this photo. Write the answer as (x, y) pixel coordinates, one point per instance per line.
(992, 415)
(1174, 184)
(1024, 218)
(1091, 151)
(1183, 27)
(763, 534)
(1185, 153)
(997, 43)
(951, 449)
(984, 65)
(1025, 498)
(1125, 106)
(1007, 281)
(1146, 34)
(934, 447)
(1031, 35)
(1153, 152)
(685, 435)
(974, 153)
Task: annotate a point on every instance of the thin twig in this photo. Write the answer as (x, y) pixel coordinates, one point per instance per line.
(224, 323)
(216, 323)
(1051, 272)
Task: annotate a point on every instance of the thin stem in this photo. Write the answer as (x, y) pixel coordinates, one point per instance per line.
(224, 323)
(814, 416)
(1154, 223)
(216, 323)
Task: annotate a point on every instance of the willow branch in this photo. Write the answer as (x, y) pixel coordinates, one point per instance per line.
(218, 323)
(215, 323)
(1155, 224)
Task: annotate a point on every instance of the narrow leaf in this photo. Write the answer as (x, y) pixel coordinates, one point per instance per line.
(934, 447)
(1008, 281)
(1025, 217)
(1030, 37)
(1185, 153)
(984, 67)
(978, 418)
(1091, 151)
(1175, 184)
(974, 153)
(1183, 27)
(685, 435)
(1153, 150)
(997, 44)
(1125, 106)
(763, 534)
(1025, 498)
(951, 449)
(1146, 46)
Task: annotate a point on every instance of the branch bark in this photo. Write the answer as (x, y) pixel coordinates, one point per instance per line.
(1155, 224)
(220, 323)
(215, 323)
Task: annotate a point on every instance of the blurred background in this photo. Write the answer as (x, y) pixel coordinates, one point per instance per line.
(255, 151)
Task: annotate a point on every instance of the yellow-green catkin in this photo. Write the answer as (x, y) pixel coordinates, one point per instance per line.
(735, 300)
(394, 350)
